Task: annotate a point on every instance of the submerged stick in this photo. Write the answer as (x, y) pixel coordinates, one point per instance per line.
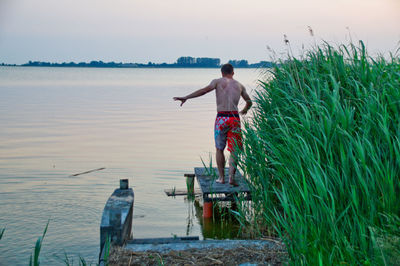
(90, 171)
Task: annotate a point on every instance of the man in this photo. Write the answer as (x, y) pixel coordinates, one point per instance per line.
(227, 123)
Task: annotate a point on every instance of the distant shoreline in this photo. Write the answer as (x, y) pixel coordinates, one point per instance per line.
(182, 62)
(175, 67)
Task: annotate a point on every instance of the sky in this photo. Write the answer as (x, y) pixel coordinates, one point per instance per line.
(162, 30)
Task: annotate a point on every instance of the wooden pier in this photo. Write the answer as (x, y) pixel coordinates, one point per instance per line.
(210, 190)
(213, 191)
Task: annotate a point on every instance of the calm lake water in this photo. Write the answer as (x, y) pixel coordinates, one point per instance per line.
(56, 122)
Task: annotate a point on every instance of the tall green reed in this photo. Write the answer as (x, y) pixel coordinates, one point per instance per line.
(323, 155)
(69, 261)
(34, 260)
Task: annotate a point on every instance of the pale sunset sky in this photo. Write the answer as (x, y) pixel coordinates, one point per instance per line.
(163, 30)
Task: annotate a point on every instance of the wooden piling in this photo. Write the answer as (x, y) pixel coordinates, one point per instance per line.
(124, 183)
(207, 209)
(190, 183)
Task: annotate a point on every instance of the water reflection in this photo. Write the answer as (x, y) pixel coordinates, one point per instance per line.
(223, 224)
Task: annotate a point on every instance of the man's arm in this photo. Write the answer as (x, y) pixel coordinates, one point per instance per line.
(197, 93)
(245, 97)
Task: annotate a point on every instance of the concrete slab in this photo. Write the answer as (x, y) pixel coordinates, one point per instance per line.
(203, 244)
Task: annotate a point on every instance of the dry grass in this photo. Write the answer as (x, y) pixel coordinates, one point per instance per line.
(259, 255)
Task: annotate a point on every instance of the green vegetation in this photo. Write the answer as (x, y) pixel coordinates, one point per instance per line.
(35, 259)
(68, 261)
(210, 169)
(107, 249)
(323, 156)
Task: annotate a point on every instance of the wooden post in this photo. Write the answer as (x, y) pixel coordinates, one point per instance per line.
(207, 209)
(124, 183)
(190, 183)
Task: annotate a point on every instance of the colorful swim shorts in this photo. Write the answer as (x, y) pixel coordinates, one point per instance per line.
(227, 128)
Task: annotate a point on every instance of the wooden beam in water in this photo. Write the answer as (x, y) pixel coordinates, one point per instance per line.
(90, 171)
(162, 240)
(180, 192)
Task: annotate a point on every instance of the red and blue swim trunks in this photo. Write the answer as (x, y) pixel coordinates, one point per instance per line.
(227, 129)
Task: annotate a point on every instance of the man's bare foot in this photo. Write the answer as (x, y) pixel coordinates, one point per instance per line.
(220, 181)
(233, 183)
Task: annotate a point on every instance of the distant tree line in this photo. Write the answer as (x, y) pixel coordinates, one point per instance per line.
(245, 64)
(187, 61)
(184, 61)
(4, 64)
(81, 64)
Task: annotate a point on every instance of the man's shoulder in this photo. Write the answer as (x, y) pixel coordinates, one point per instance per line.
(224, 80)
(218, 80)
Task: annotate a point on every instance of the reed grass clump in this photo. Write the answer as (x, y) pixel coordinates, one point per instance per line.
(322, 154)
(34, 259)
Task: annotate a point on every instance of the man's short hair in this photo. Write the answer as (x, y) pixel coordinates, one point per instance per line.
(227, 69)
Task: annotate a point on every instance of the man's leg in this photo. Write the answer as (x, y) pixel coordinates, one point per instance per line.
(221, 165)
(234, 138)
(232, 170)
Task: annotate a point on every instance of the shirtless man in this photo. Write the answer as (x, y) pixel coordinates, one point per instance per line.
(227, 123)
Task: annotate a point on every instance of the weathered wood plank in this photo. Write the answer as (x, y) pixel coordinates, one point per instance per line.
(179, 192)
(162, 240)
(90, 171)
(206, 179)
(116, 220)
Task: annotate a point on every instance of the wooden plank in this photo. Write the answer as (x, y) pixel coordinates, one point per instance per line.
(90, 171)
(162, 240)
(206, 179)
(179, 192)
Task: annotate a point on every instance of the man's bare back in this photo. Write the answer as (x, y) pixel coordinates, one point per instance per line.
(227, 92)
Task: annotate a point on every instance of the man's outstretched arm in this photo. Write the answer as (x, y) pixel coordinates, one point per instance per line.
(246, 97)
(197, 93)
